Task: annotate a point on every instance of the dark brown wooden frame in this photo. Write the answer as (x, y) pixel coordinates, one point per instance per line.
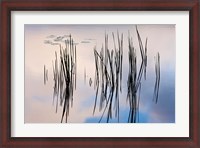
(193, 6)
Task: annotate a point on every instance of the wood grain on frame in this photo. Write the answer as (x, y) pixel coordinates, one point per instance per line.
(82, 5)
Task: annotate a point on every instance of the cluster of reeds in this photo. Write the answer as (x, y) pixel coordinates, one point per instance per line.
(134, 77)
(108, 76)
(64, 76)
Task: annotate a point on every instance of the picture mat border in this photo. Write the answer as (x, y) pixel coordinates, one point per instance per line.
(178, 129)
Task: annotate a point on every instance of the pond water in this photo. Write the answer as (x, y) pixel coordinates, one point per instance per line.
(43, 41)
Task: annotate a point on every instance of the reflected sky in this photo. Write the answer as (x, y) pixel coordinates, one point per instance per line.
(39, 107)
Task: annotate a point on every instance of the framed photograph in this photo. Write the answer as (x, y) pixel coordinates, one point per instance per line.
(86, 73)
